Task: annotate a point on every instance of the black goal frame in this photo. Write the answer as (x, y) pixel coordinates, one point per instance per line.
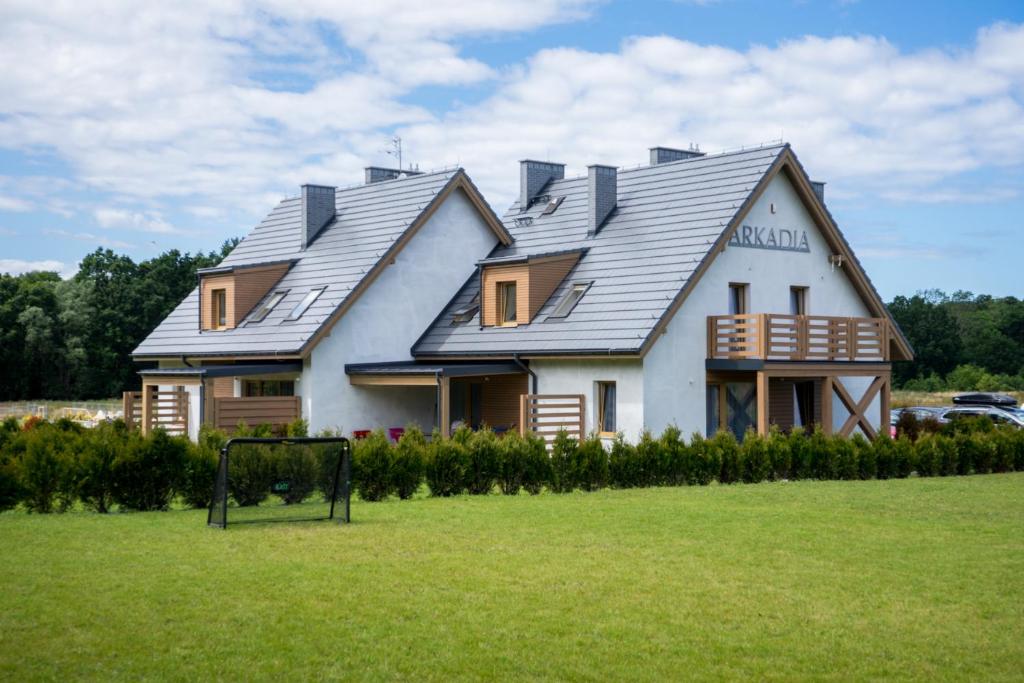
(342, 478)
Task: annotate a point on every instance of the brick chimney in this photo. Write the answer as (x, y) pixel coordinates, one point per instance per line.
(375, 174)
(533, 176)
(664, 155)
(317, 210)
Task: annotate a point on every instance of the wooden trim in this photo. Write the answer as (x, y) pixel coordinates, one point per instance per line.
(393, 380)
(445, 409)
(762, 403)
(827, 393)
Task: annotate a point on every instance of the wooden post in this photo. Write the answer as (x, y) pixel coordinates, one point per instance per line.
(523, 412)
(886, 397)
(147, 407)
(762, 403)
(826, 404)
(851, 339)
(762, 335)
(445, 407)
(583, 417)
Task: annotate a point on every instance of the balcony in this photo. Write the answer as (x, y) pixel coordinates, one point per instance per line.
(772, 336)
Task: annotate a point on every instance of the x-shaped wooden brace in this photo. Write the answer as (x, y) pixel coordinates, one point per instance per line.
(858, 409)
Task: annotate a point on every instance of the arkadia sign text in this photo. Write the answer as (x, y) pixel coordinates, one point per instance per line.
(770, 238)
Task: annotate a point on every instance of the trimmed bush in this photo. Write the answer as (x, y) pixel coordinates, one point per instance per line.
(648, 460)
(147, 471)
(484, 462)
(779, 454)
(676, 460)
(705, 466)
(885, 457)
(623, 469)
(43, 468)
(726, 452)
(755, 464)
(563, 463)
(446, 465)
(407, 463)
(928, 455)
(823, 463)
(372, 466)
(297, 469)
(97, 455)
(201, 464)
(511, 462)
(536, 464)
(1003, 444)
(867, 464)
(844, 457)
(591, 464)
(251, 474)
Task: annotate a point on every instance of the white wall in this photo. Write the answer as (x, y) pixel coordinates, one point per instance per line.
(674, 370)
(580, 376)
(389, 317)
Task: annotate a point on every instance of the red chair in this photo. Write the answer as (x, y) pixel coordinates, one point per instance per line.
(360, 433)
(395, 433)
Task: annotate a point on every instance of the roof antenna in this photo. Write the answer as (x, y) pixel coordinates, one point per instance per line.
(396, 150)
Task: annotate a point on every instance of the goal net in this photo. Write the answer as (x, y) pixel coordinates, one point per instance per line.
(282, 480)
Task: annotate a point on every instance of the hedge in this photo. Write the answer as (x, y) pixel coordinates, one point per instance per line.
(50, 467)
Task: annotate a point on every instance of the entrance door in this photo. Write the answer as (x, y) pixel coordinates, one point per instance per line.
(740, 407)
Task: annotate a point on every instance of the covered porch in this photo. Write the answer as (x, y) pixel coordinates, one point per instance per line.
(181, 399)
(844, 398)
(471, 394)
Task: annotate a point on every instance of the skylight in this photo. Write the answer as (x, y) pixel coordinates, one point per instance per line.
(264, 310)
(306, 302)
(465, 313)
(569, 301)
(552, 205)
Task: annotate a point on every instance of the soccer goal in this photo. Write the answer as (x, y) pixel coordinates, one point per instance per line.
(282, 480)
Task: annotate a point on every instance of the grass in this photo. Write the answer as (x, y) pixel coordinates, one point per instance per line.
(912, 579)
(902, 399)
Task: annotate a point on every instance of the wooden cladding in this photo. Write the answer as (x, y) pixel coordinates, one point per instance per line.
(535, 281)
(276, 411)
(243, 289)
(547, 414)
(153, 407)
(771, 336)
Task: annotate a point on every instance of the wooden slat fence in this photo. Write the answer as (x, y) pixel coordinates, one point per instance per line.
(276, 411)
(547, 414)
(131, 406)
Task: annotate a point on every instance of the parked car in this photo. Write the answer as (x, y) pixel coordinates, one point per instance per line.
(919, 412)
(999, 416)
(985, 398)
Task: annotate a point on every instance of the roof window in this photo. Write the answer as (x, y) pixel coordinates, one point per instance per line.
(306, 302)
(553, 204)
(465, 313)
(264, 310)
(571, 298)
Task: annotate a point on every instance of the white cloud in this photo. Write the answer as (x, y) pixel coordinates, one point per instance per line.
(14, 204)
(17, 267)
(98, 240)
(133, 220)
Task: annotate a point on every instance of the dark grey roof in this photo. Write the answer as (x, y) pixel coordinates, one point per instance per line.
(448, 369)
(224, 370)
(370, 219)
(666, 220)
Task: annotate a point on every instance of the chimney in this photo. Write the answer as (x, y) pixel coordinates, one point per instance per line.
(819, 189)
(317, 210)
(663, 155)
(602, 191)
(534, 175)
(375, 174)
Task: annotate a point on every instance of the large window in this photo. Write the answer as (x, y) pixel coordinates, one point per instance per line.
(737, 298)
(220, 308)
(268, 387)
(798, 301)
(606, 408)
(507, 303)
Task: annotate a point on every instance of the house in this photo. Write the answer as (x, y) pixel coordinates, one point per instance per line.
(704, 291)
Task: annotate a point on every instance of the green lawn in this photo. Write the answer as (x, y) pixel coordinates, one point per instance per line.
(918, 578)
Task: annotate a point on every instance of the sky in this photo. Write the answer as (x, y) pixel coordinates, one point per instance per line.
(145, 127)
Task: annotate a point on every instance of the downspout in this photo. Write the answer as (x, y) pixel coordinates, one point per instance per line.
(185, 361)
(526, 368)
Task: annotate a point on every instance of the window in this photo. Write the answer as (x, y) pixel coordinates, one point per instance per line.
(569, 301)
(220, 308)
(268, 387)
(737, 299)
(306, 302)
(507, 303)
(464, 314)
(552, 206)
(264, 310)
(798, 301)
(606, 408)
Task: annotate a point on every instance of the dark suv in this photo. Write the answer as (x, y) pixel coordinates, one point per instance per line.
(999, 416)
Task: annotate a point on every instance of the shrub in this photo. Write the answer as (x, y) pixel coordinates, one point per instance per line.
(147, 471)
(706, 466)
(1017, 444)
(591, 464)
(1002, 443)
(407, 463)
(297, 469)
(801, 456)
(511, 462)
(251, 473)
(563, 463)
(905, 456)
(823, 463)
(676, 463)
(755, 463)
(623, 469)
(536, 464)
(885, 457)
(96, 457)
(648, 460)
(10, 488)
(727, 453)
(484, 460)
(44, 469)
(864, 454)
(297, 428)
(372, 466)
(446, 465)
(779, 455)
(927, 454)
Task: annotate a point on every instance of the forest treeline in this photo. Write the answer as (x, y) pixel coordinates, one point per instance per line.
(72, 339)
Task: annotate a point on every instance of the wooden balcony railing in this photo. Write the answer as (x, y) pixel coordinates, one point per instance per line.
(772, 336)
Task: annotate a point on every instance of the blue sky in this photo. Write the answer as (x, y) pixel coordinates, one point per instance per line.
(152, 127)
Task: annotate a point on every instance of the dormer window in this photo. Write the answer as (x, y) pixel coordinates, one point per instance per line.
(569, 301)
(306, 302)
(229, 293)
(220, 308)
(507, 304)
(264, 310)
